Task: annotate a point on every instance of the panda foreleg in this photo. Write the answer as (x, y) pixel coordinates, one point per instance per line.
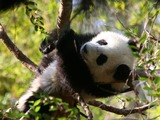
(23, 102)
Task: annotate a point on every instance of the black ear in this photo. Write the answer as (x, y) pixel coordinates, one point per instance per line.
(133, 44)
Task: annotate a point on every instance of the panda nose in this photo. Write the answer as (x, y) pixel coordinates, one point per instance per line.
(85, 48)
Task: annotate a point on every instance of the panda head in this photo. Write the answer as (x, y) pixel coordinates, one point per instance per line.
(108, 57)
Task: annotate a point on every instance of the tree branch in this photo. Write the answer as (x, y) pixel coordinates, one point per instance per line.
(118, 110)
(63, 20)
(17, 53)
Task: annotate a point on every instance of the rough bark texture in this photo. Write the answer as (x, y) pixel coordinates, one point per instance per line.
(63, 21)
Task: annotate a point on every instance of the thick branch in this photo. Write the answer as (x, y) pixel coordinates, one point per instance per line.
(120, 111)
(19, 55)
(63, 21)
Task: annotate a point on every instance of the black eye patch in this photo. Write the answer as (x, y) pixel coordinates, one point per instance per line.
(101, 59)
(122, 72)
(102, 42)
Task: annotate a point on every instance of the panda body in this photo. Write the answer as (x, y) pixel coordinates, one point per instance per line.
(94, 65)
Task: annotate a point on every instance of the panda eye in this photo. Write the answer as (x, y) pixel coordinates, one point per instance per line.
(101, 59)
(102, 42)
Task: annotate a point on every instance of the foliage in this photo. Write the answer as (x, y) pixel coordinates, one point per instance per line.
(55, 106)
(137, 19)
(33, 13)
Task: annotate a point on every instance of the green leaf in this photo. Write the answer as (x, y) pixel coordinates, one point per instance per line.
(37, 108)
(53, 108)
(32, 19)
(28, 11)
(153, 72)
(157, 80)
(135, 54)
(143, 78)
(122, 5)
(158, 90)
(143, 38)
(148, 88)
(37, 102)
(36, 27)
(145, 50)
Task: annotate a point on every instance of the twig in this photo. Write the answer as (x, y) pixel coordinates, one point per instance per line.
(119, 111)
(27, 113)
(127, 29)
(17, 53)
(155, 117)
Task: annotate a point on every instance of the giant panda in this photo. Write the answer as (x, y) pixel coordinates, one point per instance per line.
(93, 65)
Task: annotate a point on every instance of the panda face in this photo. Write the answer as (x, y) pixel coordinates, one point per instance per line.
(108, 57)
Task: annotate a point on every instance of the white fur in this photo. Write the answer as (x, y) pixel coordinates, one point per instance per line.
(118, 52)
(47, 82)
(33, 88)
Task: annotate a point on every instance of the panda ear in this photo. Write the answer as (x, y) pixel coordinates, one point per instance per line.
(133, 44)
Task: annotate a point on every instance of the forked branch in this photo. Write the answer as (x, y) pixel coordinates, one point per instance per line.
(17, 53)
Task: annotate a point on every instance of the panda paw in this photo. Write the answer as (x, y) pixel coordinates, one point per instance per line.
(49, 43)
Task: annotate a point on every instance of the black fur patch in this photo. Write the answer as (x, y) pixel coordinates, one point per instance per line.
(102, 42)
(9, 4)
(101, 59)
(122, 72)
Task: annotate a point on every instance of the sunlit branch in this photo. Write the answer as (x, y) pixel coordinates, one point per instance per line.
(63, 20)
(17, 53)
(118, 110)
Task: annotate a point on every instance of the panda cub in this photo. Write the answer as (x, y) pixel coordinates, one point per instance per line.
(93, 65)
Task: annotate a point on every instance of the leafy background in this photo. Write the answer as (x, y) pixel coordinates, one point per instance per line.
(123, 16)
